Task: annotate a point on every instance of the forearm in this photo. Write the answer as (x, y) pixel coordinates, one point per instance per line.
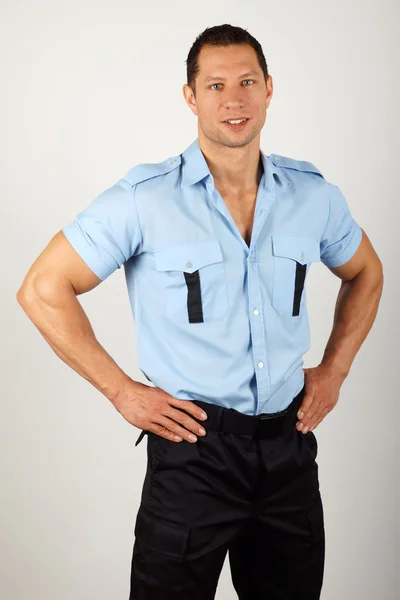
(60, 318)
(355, 311)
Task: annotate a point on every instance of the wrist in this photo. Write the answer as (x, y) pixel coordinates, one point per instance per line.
(126, 390)
(336, 370)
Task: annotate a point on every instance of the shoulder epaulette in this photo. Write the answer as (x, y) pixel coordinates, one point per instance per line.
(145, 171)
(291, 163)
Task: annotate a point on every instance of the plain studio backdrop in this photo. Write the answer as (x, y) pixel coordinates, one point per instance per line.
(89, 89)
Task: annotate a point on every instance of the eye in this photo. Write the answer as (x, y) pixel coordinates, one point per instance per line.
(212, 86)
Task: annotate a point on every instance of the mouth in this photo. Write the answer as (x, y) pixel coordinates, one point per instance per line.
(236, 124)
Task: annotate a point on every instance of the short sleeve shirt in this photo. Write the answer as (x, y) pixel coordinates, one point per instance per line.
(217, 320)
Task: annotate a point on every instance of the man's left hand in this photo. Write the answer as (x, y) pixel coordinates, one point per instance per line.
(321, 394)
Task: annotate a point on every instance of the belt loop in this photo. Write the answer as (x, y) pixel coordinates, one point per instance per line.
(218, 419)
(142, 434)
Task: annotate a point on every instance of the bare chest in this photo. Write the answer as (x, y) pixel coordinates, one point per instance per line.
(242, 212)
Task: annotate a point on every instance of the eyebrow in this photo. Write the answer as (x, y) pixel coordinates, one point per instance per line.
(240, 76)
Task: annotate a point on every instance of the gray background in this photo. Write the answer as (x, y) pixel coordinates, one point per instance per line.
(90, 89)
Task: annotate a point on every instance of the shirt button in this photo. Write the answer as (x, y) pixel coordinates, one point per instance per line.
(261, 364)
(256, 312)
(189, 264)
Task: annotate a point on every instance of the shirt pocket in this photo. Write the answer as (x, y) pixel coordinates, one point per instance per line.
(192, 277)
(292, 257)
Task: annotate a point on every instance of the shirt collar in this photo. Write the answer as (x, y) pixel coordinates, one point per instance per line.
(195, 168)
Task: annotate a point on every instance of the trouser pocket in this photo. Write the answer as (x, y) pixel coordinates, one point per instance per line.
(160, 535)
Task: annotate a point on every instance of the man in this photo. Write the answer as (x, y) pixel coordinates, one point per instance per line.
(216, 245)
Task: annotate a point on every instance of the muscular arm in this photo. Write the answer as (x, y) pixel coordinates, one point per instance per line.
(355, 311)
(356, 307)
(48, 295)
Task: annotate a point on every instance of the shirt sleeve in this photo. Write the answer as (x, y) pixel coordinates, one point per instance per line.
(342, 234)
(107, 232)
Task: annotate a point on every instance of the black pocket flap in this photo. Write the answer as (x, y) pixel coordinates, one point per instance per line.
(161, 535)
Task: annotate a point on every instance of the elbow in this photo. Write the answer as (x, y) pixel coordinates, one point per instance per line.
(32, 289)
(26, 294)
(43, 288)
(22, 294)
(19, 297)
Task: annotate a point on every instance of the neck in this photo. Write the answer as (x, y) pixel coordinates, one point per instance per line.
(237, 169)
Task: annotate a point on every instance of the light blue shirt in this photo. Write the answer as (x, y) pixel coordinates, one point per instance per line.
(216, 320)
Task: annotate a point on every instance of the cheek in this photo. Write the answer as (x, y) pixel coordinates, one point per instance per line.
(210, 116)
(207, 111)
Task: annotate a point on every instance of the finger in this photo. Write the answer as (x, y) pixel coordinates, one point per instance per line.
(188, 406)
(318, 421)
(314, 424)
(170, 429)
(305, 405)
(185, 420)
(163, 432)
(311, 416)
(308, 409)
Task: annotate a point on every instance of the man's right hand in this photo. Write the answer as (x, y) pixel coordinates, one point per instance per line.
(153, 409)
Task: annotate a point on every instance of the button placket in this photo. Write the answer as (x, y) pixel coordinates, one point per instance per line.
(257, 331)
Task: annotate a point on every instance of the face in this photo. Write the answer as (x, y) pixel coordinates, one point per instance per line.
(230, 85)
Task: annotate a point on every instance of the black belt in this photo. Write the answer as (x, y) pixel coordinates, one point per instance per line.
(233, 421)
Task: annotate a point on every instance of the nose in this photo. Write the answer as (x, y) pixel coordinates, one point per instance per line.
(233, 104)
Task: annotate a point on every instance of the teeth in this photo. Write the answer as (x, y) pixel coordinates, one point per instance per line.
(237, 121)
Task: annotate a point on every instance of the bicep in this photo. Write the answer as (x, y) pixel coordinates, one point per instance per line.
(61, 265)
(364, 256)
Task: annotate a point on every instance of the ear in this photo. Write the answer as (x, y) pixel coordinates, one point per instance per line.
(270, 90)
(190, 98)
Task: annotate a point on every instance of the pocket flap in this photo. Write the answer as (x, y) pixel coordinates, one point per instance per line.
(302, 249)
(165, 537)
(188, 257)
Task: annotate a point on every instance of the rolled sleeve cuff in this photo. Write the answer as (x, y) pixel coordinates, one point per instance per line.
(78, 241)
(345, 254)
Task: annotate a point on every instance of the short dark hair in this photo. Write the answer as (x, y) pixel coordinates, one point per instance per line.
(221, 35)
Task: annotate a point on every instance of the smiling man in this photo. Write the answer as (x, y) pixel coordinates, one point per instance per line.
(216, 245)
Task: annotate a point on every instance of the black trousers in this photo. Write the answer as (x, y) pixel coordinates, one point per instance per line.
(248, 487)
